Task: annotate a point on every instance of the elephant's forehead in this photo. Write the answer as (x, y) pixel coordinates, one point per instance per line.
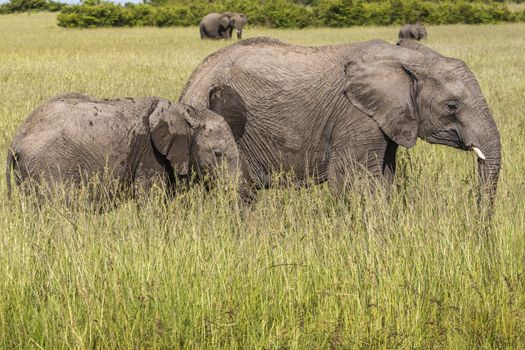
(450, 69)
(454, 77)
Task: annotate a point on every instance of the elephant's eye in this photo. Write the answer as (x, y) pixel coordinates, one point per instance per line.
(217, 152)
(452, 105)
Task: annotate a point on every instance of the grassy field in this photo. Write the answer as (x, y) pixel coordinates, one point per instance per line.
(300, 270)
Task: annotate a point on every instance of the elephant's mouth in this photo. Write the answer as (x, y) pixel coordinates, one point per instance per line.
(448, 138)
(451, 138)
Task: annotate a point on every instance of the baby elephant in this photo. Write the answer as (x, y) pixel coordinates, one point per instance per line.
(132, 142)
(413, 31)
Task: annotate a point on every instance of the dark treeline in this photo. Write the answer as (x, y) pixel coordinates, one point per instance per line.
(286, 13)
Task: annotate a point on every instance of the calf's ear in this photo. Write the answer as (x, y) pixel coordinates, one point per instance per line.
(170, 130)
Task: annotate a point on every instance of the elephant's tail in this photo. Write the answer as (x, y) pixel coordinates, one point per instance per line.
(10, 164)
(202, 30)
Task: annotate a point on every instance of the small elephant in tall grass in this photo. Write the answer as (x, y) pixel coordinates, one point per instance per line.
(130, 142)
(414, 31)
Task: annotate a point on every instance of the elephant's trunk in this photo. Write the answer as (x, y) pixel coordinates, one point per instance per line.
(488, 169)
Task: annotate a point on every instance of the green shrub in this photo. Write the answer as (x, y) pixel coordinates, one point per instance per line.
(172, 16)
(15, 6)
(519, 16)
(143, 15)
(283, 14)
(334, 13)
(103, 15)
(378, 13)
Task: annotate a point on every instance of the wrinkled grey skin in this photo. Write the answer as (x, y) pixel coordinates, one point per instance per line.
(413, 31)
(72, 138)
(333, 112)
(221, 25)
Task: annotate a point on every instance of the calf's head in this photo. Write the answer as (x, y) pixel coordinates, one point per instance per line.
(190, 139)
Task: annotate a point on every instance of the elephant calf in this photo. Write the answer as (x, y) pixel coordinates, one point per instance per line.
(131, 142)
(413, 31)
(221, 25)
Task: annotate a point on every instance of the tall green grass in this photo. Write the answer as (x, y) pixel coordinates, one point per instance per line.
(299, 270)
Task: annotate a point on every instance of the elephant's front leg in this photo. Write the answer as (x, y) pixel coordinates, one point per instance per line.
(361, 163)
(389, 164)
(345, 172)
(227, 33)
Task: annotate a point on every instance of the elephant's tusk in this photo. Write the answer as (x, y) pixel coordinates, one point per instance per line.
(479, 153)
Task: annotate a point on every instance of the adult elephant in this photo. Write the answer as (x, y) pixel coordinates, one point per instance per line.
(221, 25)
(331, 112)
(414, 31)
(130, 143)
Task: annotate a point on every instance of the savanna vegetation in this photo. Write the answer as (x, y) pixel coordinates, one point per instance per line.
(289, 13)
(17, 6)
(300, 269)
(276, 14)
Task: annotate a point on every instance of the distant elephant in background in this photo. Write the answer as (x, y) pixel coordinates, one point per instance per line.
(413, 31)
(131, 142)
(237, 21)
(221, 25)
(336, 113)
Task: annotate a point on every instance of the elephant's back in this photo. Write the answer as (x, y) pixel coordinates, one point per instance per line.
(210, 21)
(275, 77)
(262, 57)
(82, 117)
(79, 133)
(211, 15)
(405, 31)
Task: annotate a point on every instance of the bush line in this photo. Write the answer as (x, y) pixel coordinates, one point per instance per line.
(16, 6)
(287, 14)
(275, 14)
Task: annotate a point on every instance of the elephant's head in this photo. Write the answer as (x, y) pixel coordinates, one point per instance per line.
(412, 91)
(193, 139)
(419, 31)
(237, 21)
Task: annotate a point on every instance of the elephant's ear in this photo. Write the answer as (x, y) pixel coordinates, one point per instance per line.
(226, 102)
(414, 30)
(224, 21)
(170, 130)
(382, 83)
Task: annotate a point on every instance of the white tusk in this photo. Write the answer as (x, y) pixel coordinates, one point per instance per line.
(478, 152)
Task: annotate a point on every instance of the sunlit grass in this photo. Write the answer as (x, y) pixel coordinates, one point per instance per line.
(299, 270)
